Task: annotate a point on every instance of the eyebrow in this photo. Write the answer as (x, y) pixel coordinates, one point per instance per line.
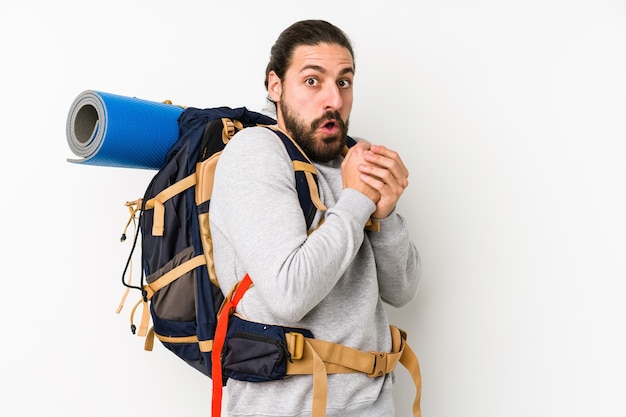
(347, 70)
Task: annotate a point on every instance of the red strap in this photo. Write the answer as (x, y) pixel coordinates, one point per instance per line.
(227, 309)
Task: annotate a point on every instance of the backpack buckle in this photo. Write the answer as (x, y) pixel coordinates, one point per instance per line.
(380, 364)
(295, 344)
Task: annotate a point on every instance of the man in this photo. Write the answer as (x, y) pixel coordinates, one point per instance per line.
(332, 281)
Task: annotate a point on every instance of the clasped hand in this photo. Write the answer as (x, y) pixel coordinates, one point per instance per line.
(377, 172)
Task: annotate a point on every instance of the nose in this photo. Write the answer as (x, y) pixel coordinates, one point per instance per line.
(332, 97)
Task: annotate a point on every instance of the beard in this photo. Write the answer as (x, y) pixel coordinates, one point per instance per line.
(322, 149)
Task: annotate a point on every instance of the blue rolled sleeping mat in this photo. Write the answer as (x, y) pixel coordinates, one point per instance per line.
(116, 131)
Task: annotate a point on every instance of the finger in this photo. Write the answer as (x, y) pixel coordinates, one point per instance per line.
(381, 155)
(383, 180)
(363, 143)
(388, 195)
(391, 174)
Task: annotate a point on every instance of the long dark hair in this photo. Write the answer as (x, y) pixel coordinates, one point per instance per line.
(305, 32)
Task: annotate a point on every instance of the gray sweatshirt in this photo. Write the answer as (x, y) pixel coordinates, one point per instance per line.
(332, 282)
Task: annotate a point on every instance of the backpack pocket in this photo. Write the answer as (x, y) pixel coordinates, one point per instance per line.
(173, 307)
(174, 293)
(255, 352)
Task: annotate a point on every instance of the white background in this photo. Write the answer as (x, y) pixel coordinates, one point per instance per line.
(511, 117)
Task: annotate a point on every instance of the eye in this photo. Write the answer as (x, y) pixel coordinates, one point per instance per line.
(344, 83)
(311, 81)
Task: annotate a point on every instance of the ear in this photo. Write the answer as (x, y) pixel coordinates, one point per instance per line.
(274, 87)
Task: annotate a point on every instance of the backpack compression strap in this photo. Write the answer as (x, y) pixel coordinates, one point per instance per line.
(319, 358)
(226, 310)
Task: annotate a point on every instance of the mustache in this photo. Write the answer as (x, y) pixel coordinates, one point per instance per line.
(326, 117)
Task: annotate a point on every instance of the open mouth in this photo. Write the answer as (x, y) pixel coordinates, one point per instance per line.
(330, 125)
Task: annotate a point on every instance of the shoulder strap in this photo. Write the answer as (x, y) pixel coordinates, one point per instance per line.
(306, 178)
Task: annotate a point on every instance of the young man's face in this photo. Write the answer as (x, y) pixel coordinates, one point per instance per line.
(314, 99)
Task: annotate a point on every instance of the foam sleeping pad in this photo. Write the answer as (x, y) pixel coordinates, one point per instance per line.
(117, 131)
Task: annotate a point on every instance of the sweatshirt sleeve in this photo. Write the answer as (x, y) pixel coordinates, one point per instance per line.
(398, 264)
(258, 226)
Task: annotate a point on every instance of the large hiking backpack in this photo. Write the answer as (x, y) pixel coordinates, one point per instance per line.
(180, 281)
(180, 293)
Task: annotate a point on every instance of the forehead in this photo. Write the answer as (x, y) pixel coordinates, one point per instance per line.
(324, 56)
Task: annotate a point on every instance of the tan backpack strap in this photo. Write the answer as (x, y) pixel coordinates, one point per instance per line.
(145, 317)
(344, 359)
(372, 225)
(158, 201)
(306, 354)
(309, 170)
(314, 192)
(173, 275)
(133, 208)
(123, 300)
(127, 290)
(320, 382)
(229, 128)
(149, 342)
(177, 339)
(410, 362)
